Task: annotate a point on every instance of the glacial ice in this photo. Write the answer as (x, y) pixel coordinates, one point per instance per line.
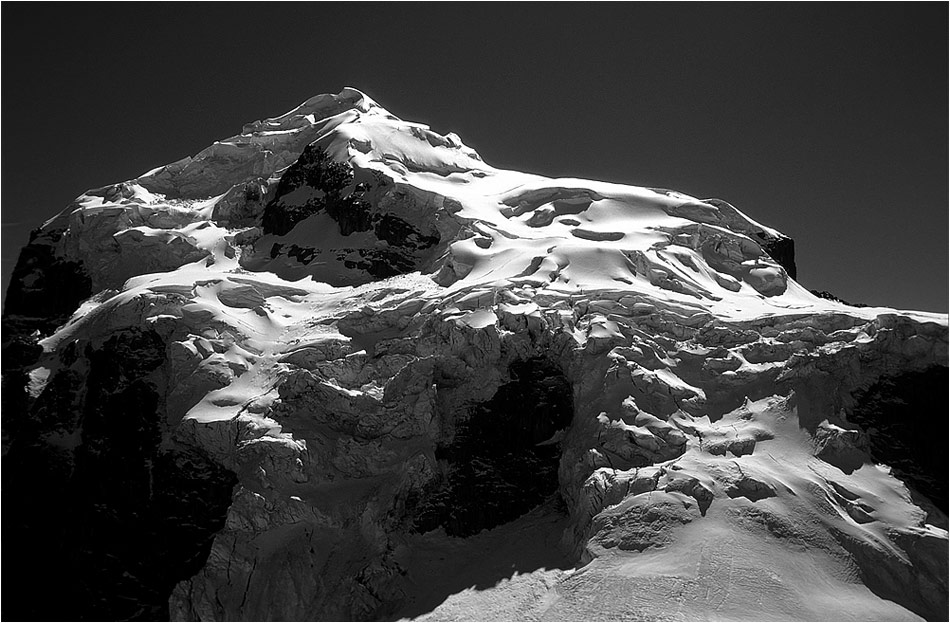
(709, 469)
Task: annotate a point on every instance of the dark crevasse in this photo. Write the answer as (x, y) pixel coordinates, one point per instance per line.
(905, 416)
(495, 469)
(108, 518)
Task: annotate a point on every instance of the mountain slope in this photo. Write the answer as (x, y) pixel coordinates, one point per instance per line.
(338, 346)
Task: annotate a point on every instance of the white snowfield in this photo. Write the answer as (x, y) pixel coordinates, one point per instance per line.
(709, 471)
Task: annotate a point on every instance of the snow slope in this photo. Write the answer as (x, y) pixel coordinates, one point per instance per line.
(339, 293)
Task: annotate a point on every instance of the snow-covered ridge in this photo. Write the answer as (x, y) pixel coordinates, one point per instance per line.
(336, 305)
(492, 226)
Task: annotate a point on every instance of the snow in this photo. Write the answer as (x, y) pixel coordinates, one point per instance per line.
(565, 234)
(603, 263)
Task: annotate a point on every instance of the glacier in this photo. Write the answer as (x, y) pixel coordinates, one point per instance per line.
(337, 367)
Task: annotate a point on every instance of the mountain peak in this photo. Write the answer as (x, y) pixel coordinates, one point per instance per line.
(320, 107)
(325, 359)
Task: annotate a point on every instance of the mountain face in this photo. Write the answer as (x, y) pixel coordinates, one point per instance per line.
(338, 367)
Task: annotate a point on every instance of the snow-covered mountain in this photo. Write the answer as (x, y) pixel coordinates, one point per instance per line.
(338, 367)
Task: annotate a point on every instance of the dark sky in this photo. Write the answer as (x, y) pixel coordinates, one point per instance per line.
(827, 122)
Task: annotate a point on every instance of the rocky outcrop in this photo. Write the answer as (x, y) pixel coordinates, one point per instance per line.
(502, 460)
(45, 288)
(117, 513)
(824, 294)
(782, 250)
(898, 413)
(375, 239)
(319, 185)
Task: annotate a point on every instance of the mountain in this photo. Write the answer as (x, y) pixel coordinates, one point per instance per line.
(338, 367)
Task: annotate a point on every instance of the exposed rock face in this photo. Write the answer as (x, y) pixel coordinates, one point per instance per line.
(782, 251)
(896, 411)
(322, 183)
(348, 350)
(498, 466)
(824, 294)
(45, 288)
(124, 512)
